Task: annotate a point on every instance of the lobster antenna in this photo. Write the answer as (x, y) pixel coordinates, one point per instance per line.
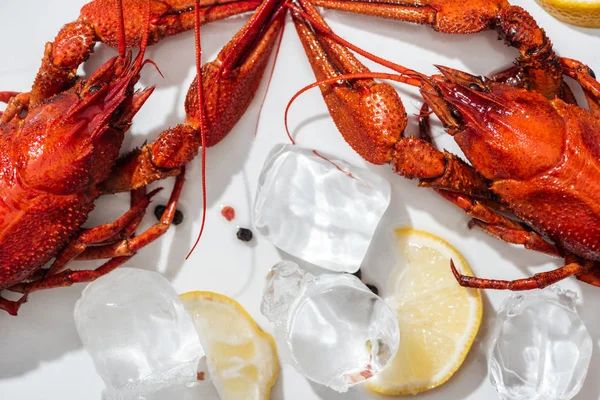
(145, 39)
(270, 79)
(324, 29)
(200, 96)
(122, 42)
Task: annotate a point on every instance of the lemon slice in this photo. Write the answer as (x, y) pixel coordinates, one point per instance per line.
(438, 319)
(584, 13)
(241, 358)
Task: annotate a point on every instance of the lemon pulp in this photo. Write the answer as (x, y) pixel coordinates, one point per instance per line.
(438, 318)
(242, 359)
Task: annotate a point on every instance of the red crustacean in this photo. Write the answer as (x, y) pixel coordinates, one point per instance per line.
(60, 149)
(51, 169)
(98, 22)
(537, 67)
(531, 157)
(540, 161)
(53, 160)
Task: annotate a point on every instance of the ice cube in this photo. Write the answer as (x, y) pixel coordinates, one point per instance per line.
(324, 212)
(137, 331)
(330, 327)
(541, 348)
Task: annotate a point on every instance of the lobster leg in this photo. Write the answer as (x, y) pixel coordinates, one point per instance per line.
(137, 196)
(419, 158)
(129, 246)
(99, 23)
(12, 307)
(6, 96)
(499, 226)
(591, 275)
(15, 103)
(529, 239)
(515, 76)
(538, 65)
(101, 233)
(230, 83)
(538, 281)
(586, 78)
(69, 277)
(477, 210)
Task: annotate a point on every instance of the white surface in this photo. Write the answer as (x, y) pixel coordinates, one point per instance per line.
(40, 354)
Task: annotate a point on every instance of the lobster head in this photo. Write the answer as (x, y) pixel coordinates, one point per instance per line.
(504, 131)
(72, 140)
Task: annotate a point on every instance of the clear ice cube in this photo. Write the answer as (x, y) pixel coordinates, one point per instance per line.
(331, 327)
(541, 348)
(324, 212)
(137, 331)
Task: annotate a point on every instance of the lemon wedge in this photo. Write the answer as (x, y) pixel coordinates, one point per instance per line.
(438, 319)
(241, 358)
(584, 13)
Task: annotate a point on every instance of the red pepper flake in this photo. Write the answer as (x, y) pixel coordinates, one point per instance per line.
(367, 374)
(200, 376)
(228, 212)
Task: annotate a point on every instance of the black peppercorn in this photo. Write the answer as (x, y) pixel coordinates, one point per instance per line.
(160, 210)
(178, 218)
(245, 235)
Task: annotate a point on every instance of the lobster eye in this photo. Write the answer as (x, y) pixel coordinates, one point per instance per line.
(475, 87)
(94, 89)
(456, 114)
(591, 73)
(118, 111)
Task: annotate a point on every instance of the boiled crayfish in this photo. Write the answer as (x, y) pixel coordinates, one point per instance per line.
(533, 155)
(61, 146)
(544, 186)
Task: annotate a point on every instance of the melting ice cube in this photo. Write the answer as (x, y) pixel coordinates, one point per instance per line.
(331, 327)
(324, 212)
(137, 331)
(541, 348)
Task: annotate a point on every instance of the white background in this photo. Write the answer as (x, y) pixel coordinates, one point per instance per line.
(40, 354)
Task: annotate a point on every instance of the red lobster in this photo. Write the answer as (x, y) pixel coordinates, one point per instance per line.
(370, 116)
(60, 147)
(533, 155)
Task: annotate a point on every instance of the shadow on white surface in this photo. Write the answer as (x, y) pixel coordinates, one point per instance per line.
(46, 324)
